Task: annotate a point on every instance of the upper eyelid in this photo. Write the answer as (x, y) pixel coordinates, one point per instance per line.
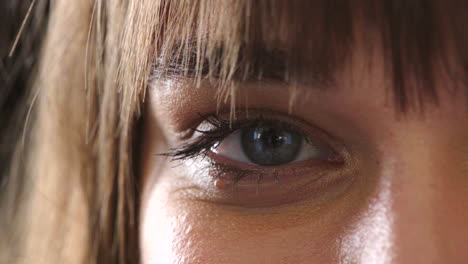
(239, 124)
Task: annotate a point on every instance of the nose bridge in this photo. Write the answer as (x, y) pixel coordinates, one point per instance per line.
(428, 202)
(397, 225)
(414, 190)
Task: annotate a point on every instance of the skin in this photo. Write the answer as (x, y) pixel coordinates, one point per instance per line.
(402, 197)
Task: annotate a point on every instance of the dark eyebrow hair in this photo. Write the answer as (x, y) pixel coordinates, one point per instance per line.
(258, 64)
(255, 63)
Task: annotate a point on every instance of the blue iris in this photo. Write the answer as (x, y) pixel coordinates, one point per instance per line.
(270, 146)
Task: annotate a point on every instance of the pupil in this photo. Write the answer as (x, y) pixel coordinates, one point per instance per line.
(270, 138)
(270, 146)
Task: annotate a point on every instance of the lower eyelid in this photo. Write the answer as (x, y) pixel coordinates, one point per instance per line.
(275, 188)
(222, 165)
(238, 183)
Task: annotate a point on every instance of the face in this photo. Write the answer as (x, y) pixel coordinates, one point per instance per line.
(319, 176)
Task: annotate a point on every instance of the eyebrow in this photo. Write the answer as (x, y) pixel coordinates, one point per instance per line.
(255, 63)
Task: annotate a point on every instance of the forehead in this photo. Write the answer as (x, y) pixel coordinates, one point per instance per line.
(310, 41)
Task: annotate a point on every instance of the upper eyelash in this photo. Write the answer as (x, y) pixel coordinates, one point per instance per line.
(202, 144)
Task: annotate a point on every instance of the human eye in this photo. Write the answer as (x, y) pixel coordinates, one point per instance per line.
(260, 159)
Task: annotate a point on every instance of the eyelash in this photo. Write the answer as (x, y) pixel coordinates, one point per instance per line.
(202, 145)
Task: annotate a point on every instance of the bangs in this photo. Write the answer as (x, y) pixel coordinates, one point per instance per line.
(243, 40)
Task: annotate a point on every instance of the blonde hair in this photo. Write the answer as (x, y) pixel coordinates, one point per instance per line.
(82, 183)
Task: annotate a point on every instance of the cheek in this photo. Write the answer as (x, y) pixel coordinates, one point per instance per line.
(369, 238)
(189, 232)
(166, 236)
(179, 230)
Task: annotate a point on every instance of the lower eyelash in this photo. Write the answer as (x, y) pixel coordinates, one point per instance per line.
(223, 176)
